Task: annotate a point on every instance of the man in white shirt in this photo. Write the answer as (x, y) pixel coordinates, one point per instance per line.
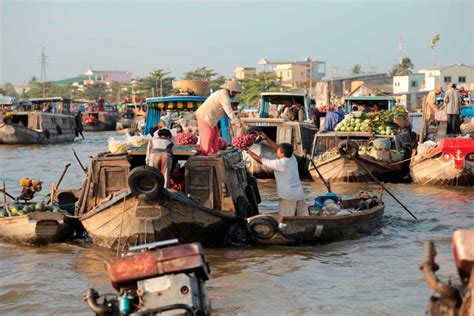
(289, 188)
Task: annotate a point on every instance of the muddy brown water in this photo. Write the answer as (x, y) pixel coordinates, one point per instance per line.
(370, 275)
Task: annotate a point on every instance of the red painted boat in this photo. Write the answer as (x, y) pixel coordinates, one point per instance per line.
(451, 162)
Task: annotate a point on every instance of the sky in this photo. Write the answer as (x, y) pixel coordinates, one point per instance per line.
(180, 36)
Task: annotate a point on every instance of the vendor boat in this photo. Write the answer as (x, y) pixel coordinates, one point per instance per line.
(299, 133)
(358, 216)
(36, 228)
(449, 162)
(44, 121)
(336, 165)
(96, 121)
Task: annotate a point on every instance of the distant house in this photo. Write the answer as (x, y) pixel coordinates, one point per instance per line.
(407, 90)
(294, 73)
(107, 76)
(460, 74)
(242, 73)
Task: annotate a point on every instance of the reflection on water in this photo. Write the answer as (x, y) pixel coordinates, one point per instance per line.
(375, 274)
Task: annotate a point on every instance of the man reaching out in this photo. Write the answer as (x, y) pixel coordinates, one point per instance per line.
(289, 188)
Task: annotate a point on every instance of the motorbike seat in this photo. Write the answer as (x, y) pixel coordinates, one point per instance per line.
(463, 247)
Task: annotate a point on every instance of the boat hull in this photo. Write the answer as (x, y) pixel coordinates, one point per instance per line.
(315, 229)
(133, 221)
(338, 169)
(13, 134)
(37, 228)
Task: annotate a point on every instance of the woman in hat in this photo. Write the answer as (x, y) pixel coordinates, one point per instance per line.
(210, 113)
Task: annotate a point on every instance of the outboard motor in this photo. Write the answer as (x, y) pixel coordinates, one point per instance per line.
(161, 278)
(450, 299)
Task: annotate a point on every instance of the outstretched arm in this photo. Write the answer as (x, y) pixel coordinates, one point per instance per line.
(270, 142)
(256, 157)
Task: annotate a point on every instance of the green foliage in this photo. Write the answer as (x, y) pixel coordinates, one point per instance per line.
(357, 69)
(152, 84)
(50, 90)
(402, 69)
(262, 82)
(117, 91)
(201, 73)
(9, 90)
(95, 91)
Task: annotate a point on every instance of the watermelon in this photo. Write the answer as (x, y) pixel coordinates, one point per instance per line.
(39, 207)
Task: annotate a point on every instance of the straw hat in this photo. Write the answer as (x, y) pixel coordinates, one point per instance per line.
(233, 85)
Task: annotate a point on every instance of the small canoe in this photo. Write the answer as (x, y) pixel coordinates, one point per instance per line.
(37, 228)
(313, 229)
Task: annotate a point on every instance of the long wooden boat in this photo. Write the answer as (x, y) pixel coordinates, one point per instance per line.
(340, 168)
(297, 230)
(37, 126)
(123, 203)
(36, 228)
(102, 121)
(451, 163)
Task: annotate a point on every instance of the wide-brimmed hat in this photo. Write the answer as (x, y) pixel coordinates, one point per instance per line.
(233, 85)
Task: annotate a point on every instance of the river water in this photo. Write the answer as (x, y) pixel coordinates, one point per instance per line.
(371, 275)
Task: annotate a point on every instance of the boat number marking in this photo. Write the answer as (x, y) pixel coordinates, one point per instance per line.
(318, 230)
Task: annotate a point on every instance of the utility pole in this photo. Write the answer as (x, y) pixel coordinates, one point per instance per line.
(43, 70)
(400, 50)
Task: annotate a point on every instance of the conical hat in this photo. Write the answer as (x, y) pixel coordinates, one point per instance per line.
(233, 85)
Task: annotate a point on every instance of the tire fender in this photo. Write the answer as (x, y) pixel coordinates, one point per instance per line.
(268, 222)
(147, 181)
(348, 149)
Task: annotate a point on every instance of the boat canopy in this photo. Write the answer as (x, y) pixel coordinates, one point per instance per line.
(384, 102)
(269, 102)
(64, 104)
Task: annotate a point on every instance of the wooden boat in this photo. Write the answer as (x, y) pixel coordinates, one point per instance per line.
(451, 163)
(297, 230)
(36, 228)
(340, 168)
(96, 121)
(281, 130)
(36, 126)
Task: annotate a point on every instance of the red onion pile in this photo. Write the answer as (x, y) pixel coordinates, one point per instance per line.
(244, 141)
(186, 139)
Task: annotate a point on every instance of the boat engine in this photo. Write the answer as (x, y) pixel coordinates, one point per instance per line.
(29, 188)
(448, 298)
(162, 278)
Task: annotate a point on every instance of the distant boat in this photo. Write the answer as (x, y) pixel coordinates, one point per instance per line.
(43, 121)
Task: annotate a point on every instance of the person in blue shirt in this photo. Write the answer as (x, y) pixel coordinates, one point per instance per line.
(331, 119)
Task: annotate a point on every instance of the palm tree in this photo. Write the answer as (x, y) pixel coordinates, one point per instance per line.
(402, 69)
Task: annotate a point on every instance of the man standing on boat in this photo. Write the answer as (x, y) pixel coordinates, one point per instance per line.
(452, 101)
(289, 188)
(331, 120)
(210, 113)
(429, 108)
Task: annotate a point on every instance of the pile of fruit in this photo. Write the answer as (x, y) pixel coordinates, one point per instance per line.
(244, 141)
(352, 123)
(17, 209)
(186, 139)
(137, 141)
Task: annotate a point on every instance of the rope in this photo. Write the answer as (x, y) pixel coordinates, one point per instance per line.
(121, 226)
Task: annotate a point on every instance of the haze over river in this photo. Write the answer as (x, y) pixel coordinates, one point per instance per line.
(371, 275)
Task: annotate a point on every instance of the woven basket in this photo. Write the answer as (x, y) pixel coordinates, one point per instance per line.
(199, 87)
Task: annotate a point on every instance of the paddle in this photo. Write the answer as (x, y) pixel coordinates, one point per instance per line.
(327, 184)
(381, 184)
(79, 161)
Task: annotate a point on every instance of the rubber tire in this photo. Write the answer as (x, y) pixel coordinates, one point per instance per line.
(265, 221)
(59, 130)
(251, 197)
(352, 149)
(252, 181)
(47, 134)
(149, 174)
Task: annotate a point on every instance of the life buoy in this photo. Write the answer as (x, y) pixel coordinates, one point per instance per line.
(252, 181)
(147, 181)
(348, 149)
(262, 227)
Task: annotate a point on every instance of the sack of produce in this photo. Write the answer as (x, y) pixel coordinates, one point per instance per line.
(117, 145)
(244, 141)
(137, 141)
(186, 139)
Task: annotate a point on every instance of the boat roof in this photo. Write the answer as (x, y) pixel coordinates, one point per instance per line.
(372, 97)
(263, 94)
(51, 99)
(176, 102)
(7, 100)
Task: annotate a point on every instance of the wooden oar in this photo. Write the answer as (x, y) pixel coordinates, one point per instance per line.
(381, 184)
(4, 196)
(328, 186)
(56, 186)
(79, 161)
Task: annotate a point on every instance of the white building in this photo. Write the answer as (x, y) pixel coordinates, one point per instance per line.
(460, 74)
(407, 90)
(292, 73)
(242, 73)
